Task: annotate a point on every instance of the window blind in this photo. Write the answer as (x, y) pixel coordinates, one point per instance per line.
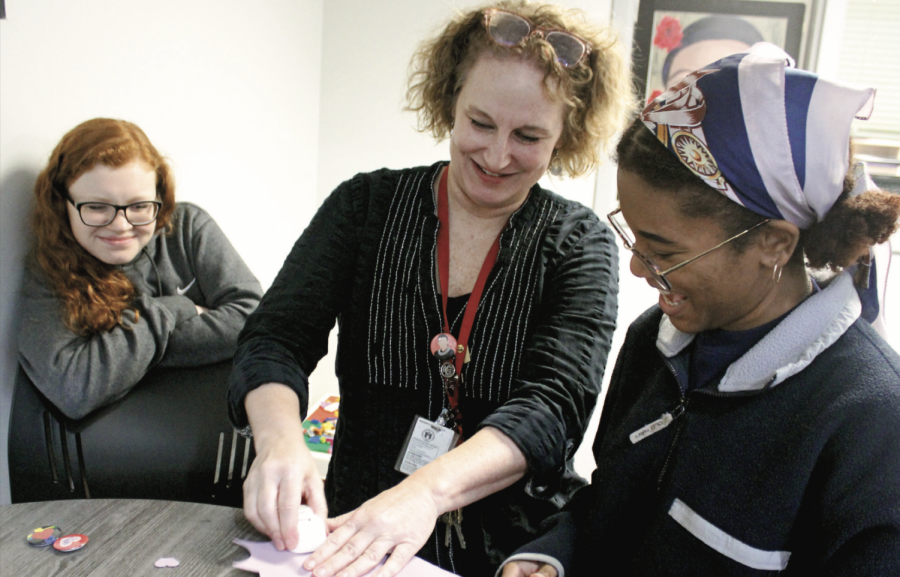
(870, 56)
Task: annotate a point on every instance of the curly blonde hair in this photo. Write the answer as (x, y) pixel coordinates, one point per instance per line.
(597, 94)
(94, 293)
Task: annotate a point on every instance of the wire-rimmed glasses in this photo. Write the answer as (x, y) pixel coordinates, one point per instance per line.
(102, 213)
(509, 29)
(659, 276)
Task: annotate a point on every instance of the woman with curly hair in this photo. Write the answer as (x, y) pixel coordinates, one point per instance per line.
(522, 280)
(122, 278)
(752, 424)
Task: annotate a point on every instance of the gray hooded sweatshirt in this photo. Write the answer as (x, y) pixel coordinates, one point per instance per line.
(195, 264)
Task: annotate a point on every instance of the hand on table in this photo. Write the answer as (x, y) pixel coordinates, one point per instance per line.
(397, 521)
(282, 476)
(528, 569)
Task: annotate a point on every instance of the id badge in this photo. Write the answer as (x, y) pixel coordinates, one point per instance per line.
(425, 442)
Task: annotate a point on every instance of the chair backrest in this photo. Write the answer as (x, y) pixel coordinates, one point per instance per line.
(169, 438)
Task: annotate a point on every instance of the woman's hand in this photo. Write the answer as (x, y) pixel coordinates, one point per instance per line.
(400, 520)
(397, 521)
(283, 474)
(528, 569)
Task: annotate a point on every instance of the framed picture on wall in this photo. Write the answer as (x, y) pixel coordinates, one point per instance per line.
(675, 37)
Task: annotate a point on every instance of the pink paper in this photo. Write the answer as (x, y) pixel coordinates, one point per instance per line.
(268, 561)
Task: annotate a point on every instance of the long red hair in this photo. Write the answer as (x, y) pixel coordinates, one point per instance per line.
(94, 293)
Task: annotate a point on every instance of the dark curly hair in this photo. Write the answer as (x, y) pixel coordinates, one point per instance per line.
(853, 224)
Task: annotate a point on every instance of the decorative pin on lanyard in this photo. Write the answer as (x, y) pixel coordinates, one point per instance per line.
(452, 379)
(443, 347)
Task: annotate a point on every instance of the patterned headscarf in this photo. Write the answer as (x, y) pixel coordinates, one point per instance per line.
(770, 137)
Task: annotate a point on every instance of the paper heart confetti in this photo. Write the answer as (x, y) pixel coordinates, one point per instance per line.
(167, 562)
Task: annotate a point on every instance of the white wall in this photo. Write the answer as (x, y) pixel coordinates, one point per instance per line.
(228, 90)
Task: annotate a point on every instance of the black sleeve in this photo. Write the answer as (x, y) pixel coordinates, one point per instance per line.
(561, 374)
(287, 335)
(855, 489)
(555, 545)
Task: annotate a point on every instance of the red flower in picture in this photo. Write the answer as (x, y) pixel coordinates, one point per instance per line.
(668, 34)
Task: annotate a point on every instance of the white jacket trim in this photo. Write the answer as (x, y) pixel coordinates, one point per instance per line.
(725, 543)
(670, 341)
(788, 348)
(535, 558)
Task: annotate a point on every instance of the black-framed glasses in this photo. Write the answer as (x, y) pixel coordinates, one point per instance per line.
(659, 276)
(103, 213)
(509, 29)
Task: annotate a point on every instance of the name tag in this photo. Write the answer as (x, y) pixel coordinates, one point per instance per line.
(651, 428)
(425, 442)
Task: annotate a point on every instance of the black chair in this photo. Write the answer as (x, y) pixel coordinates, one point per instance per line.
(169, 438)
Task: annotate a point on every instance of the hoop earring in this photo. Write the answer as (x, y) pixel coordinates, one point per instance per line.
(776, 273)
(555, 167)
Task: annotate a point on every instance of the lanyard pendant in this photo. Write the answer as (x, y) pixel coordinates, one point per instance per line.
(445, 419)
(448, 418)
(448, 370)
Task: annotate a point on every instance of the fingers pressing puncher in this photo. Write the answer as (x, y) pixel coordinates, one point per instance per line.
(310, 529)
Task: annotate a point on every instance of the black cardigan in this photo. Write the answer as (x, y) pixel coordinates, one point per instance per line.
(809, 467)
(539, 343)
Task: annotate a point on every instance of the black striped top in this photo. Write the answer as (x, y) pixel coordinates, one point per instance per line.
(539, 343)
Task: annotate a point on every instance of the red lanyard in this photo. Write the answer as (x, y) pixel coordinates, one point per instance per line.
(443, 250)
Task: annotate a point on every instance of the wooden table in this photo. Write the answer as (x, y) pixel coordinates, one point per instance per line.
(126, 537)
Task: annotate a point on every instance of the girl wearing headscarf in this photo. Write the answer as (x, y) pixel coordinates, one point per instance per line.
(752, 424)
